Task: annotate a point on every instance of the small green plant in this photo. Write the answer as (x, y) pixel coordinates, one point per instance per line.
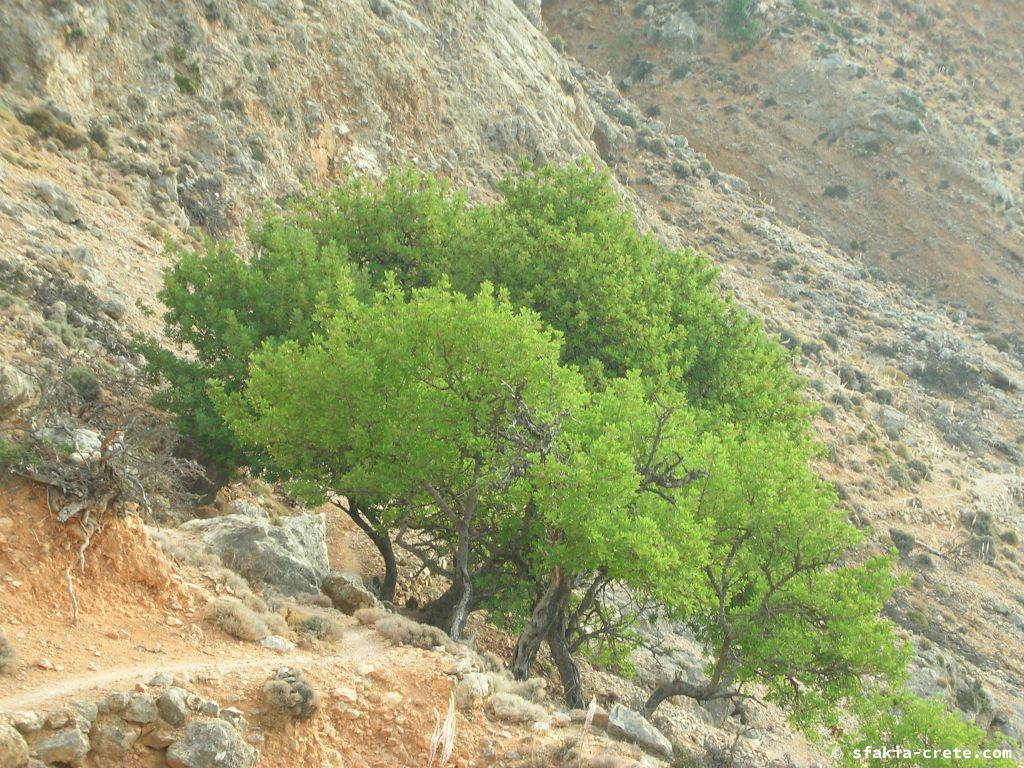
(85, 383)
(738, 23)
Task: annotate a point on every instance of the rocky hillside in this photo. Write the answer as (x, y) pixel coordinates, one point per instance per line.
(855, 169)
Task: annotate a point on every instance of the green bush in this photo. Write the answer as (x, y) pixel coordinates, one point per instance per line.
(85, 383)
(738, 23)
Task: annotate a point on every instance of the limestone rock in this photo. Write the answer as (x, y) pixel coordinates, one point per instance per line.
(624, 723)
(347, 592)
(211, 744)
(291, 556)
(16, 389)
(67, 747)
(111, 738)
(13, 749)
(172, 707)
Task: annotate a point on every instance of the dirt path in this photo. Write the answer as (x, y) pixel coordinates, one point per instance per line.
(359, 643)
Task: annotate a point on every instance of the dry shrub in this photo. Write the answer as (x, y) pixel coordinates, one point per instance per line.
(320, 627)
(289, 695)
(399, 629)
(8, 656)
(231, 615)
(275, 623)
(510, 708)
(370, 616)
(534, 689)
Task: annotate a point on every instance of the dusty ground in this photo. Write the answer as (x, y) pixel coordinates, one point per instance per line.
(140, 614)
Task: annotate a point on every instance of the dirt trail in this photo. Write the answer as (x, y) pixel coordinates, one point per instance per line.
(358, 643)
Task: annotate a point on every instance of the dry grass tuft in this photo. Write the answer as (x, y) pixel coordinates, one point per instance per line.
(399, 629)
(232, 615)
(510, 708)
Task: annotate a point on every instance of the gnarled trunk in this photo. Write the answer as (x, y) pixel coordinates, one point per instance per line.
(545, 613)
(568, 672)
(381, 540)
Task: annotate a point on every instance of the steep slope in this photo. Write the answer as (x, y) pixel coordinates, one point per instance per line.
(124, 122)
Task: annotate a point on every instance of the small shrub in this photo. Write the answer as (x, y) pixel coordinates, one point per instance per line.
(737, 22)
(837, 191)
(289, 695)
(1009, 537)
(370, 616)
(898, 472)
(85, 383)
(231, 615)
(320, 627)
(510, 708)
(47, 125)
(8, 656)
(534, 689)
(403, 631)
(918, 470)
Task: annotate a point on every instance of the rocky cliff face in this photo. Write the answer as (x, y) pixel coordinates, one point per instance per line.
(856, 173)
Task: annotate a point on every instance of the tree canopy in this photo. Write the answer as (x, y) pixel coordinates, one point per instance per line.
(538, 401)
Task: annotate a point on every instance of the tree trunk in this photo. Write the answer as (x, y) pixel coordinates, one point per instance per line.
(545, 613)
(463, 587)
(568, 672)
(382, 541)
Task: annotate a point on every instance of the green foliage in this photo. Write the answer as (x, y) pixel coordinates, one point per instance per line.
(221, 308)
(911, 723)
(85, 383)
(777, 604)
(738, 24)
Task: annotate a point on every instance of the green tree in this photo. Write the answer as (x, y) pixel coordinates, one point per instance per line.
(778, 603)
(417, 406)
(891, 720)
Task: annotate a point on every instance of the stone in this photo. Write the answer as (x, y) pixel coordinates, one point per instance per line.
(211, 744)
(68, 747)
(27, 722)
(276, 643)
(116, 702)
(624, 723)
(161, 737)
(87, 709)
(60, 203)
(161, 680)
(111, 738)
(171, 704)
(347, 592)
(113, 309)
(13, 749)
(16, 389)
(291, 556)
(236, 717)
(141, 709)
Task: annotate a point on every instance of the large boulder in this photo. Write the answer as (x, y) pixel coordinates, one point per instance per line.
(111, 739)
(68, 747)
(624, 723)
(16, 389)
(211, 744)
(347, 592)
(13, 749)
(289, 553)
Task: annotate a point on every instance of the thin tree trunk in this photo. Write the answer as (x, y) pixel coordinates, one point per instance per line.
(382, 541)
(463, 586)
(544, 614)
(568, 672)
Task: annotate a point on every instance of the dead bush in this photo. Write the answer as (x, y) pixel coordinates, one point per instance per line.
(370, 616)
(8, 656)
(403, 631)
(534, 689)
(510, 708)
(289, 695)
(320, 627)
(231, 615)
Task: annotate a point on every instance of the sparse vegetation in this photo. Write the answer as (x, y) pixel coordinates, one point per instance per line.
(738, 23)
(289, 695)
(232, 615)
